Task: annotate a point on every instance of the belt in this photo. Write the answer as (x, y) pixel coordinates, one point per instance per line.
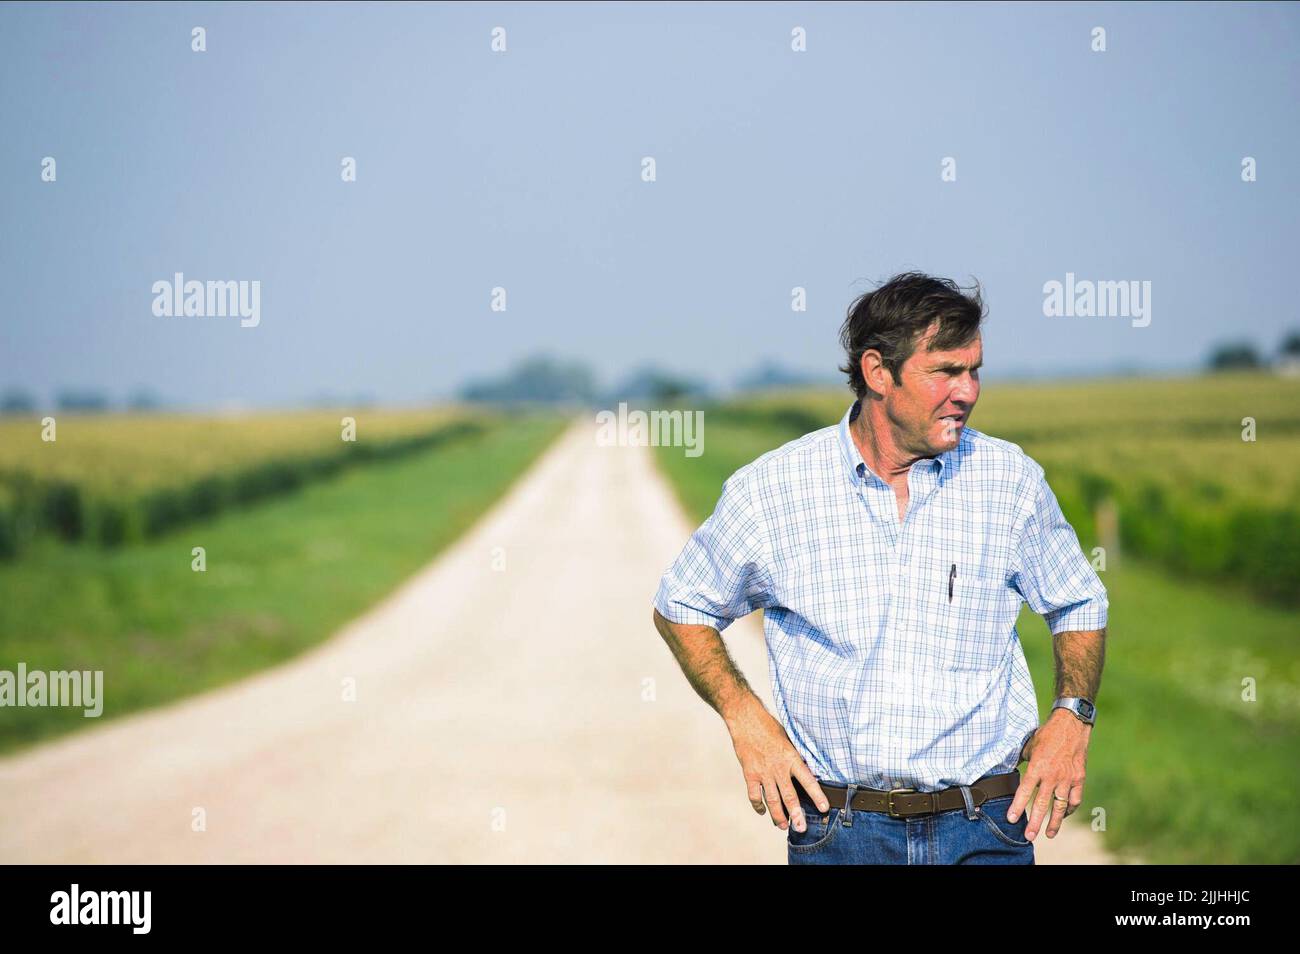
(908, 803)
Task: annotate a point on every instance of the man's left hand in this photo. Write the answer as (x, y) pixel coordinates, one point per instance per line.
(1057, 753)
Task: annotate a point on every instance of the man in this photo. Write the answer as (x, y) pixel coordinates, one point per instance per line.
(890, 554)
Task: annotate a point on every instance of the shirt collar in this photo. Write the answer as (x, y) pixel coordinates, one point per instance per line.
(858, 468)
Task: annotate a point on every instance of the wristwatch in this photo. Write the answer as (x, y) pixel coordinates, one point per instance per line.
(1082, 708)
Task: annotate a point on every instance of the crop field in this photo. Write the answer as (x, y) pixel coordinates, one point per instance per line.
(113, 479)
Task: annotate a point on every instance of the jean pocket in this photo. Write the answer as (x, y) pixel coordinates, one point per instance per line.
(820, 830)
(994, 814)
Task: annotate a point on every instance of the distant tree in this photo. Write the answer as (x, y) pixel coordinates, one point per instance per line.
(17, 402)
(1290, 346)
(656, 386)
(86, 402)
(144, 400)
(1234, 355)
(771, 375)
(537, 379)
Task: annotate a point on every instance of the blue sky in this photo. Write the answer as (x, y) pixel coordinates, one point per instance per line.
(522, 169)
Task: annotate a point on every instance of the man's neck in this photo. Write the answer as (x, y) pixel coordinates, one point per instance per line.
(877, 444)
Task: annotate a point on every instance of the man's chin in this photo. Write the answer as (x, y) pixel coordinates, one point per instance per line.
(949, 437)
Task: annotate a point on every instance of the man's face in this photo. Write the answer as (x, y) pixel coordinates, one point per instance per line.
(935, 399)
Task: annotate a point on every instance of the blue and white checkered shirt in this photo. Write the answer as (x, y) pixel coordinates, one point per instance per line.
(878, 677)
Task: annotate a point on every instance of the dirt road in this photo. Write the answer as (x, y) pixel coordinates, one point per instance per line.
(512, 703)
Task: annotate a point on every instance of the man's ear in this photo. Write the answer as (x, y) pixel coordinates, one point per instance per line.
(873, 371)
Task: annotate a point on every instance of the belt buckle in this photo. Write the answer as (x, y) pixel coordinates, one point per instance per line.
(889, 801)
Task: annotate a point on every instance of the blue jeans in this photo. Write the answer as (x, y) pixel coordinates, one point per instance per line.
(960, 836)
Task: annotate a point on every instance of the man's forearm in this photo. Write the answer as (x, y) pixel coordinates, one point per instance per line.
(703, 657)
(1080, 655)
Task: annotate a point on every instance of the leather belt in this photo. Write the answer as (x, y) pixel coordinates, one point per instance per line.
(909, 803)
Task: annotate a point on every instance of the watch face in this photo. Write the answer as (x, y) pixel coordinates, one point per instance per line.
(1087, 709)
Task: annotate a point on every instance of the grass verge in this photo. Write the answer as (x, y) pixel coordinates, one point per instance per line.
(280, 578)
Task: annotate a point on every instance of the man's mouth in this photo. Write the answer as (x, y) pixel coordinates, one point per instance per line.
(955, 418)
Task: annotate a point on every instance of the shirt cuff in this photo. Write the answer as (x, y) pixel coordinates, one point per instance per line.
(1023, 742)
(676, 612)
(1088, 615)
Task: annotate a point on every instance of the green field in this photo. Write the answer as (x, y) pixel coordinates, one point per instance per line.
(1185, 769)
(120, 478)
(280, 577)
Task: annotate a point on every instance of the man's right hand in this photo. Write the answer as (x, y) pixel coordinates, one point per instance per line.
(771, 764)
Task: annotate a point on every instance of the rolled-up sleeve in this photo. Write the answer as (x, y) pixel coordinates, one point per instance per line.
(1051, 571)
(720, 574)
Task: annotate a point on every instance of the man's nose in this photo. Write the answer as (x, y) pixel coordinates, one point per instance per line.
(967, 389)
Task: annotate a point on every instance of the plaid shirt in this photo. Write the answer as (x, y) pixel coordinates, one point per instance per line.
(879, 677)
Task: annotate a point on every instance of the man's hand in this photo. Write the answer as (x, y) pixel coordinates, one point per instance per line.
(770, 764)
(1057, 753)
(769, 761)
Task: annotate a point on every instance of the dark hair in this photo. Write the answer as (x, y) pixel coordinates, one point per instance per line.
(893, 317)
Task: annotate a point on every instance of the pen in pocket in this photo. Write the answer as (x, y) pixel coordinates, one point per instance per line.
(952, 575)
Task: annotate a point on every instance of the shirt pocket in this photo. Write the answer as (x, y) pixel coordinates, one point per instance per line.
(971, 631)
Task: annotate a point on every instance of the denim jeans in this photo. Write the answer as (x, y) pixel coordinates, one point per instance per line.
(960, 836)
